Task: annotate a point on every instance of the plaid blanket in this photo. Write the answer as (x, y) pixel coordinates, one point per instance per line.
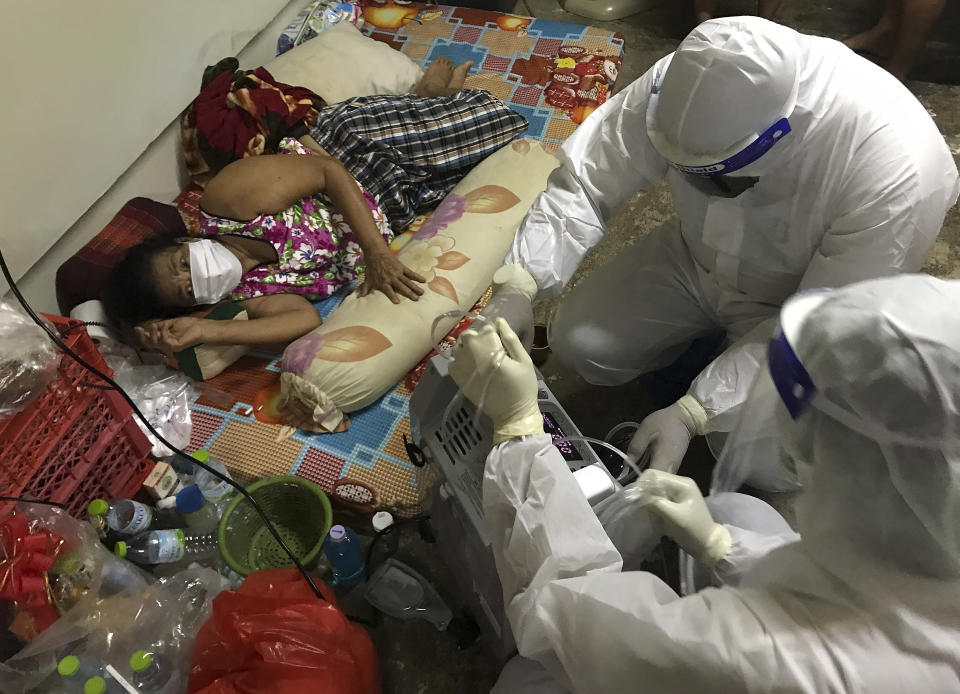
(410, 151)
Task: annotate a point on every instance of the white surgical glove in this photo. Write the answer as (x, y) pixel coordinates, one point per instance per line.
(686, 518)
(667, 433)
(495, 373)
(513, 292)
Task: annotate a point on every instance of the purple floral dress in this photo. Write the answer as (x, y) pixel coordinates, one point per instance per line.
(318, 252)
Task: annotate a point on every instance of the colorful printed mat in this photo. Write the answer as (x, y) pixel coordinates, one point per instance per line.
(553, 73)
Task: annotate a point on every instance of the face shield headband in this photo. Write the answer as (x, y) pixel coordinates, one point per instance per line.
(798, 392)
(746, 152)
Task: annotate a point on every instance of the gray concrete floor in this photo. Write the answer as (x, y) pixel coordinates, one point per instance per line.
(418, 660)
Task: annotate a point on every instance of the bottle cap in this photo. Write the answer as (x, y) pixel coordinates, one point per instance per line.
(202, 455)
(98, 507)
(382, 520)
(69, 666)
(140, 661)
(338, 533)
(120, 549)
(95, 685)
(190, 499)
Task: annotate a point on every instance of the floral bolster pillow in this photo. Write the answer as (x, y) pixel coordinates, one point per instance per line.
(368, 344)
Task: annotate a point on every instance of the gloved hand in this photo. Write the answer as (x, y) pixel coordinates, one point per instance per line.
(513, 292)
(495, 373)
(667, 433)
(685, 516)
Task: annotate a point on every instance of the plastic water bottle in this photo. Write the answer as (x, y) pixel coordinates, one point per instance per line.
(167, 547)
(343, 550)
(120, 578)
(129, 517)
(216, 490)
(200, 515)
(153, 673)
(74, 672)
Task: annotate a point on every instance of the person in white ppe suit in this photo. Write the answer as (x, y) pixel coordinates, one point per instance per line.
(863, 599)
(793, 164)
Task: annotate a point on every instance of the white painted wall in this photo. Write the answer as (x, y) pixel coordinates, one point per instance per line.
(93, 91)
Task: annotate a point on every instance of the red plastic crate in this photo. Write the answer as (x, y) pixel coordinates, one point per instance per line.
(77, 441)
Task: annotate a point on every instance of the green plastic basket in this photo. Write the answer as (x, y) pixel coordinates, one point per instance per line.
(298, 509)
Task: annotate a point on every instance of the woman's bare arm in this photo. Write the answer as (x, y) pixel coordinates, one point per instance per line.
(271, 183)
(277, 318)
(274, 319)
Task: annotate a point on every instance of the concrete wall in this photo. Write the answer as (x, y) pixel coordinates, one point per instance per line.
(93, 93)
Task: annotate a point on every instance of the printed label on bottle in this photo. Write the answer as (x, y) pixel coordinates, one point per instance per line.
(140, 521)
(171, 546)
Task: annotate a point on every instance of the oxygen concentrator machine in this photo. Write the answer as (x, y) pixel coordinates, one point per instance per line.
(457, 449)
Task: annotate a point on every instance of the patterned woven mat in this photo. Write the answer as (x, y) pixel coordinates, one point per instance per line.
(554, 74)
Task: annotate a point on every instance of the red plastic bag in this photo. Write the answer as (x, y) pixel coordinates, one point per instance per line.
(275, 635)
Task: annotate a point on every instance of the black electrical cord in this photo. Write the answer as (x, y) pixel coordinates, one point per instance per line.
(136, 410)
(33, 501)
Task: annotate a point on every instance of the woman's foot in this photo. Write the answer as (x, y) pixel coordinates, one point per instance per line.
(436, 77)
(459, 75)
(441, 78)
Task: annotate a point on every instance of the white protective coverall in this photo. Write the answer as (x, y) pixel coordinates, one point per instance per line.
(865, 602)
(857, 189)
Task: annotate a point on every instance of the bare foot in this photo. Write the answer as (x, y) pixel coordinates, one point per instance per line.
(442, 68)
(459, 75)
(875, 41)
(435, 78)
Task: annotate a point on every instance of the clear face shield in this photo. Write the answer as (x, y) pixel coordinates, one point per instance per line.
(729, 176)
(753, 453)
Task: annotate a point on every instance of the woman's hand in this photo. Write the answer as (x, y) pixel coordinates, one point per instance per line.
(387, 274)
(172, 335)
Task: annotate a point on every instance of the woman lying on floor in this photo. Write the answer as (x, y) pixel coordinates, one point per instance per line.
(282, 230)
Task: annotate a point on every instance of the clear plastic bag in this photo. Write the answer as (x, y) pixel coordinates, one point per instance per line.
(112, 609)
(626, 518)
(28, 359)
(161, 394)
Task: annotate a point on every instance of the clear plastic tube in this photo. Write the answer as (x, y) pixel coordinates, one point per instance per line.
(457, 399)
(628, 461)
(617, 429)
(645, 491)
(459, 316)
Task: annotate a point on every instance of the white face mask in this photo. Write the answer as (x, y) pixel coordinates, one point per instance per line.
(214, 271)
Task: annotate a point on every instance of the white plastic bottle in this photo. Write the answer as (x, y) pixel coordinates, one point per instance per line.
(200, 515)
(128, 517)
(382, 520)
(216, 490)
(167, 547)
(153, 673)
